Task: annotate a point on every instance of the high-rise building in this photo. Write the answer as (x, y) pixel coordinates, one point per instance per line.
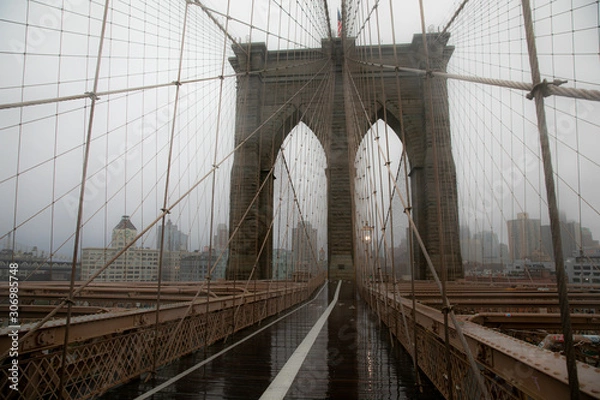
(222, 237)
(546, 239)
(175, 240)
(468, 250)
(304, 247)
(282, 264)
(524, 239)
(491, 251)
(171, 264)
(195, 266)
(174, 248)
(570, 235)
(571, 238)
(589, 245)
(135, 264)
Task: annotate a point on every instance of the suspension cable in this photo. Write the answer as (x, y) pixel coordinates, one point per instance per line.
(561, 279)
(69, 300)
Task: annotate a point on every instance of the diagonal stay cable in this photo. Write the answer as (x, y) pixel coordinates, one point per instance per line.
(69, 299)
(166, 192)
(368, 18)
(214, 20)
(168, 209)
(431, 267)
(98, 95)
(313, 252)
(548, 88)
(454, 16)
(363, 109)
(201, 288)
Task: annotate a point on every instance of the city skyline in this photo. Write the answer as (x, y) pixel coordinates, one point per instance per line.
(222, 232)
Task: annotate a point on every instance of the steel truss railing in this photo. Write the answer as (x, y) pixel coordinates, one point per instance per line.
(109, 349)
(511, 368)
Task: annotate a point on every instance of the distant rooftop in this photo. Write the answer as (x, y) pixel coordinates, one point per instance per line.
(125, 223)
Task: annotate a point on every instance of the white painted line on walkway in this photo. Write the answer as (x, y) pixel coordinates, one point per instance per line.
(220, 353)
(284, 379)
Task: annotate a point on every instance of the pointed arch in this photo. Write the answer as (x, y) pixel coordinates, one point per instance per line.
(300, 206)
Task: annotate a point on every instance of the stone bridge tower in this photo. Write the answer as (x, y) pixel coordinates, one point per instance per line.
(264, 110)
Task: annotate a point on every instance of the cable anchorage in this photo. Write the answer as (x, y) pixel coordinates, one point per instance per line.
(92, 95)
(447, 309)
(67, 301)
(544, 87)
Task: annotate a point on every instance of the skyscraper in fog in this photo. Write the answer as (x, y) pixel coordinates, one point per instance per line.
(174, 239)
(221, 238)
(304, 247)
(524, 238)
(571, 238)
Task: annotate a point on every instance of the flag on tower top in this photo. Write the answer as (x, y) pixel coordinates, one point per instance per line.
(339, 26)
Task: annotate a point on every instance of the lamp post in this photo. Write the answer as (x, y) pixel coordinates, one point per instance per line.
(367, 238)
(367, 234)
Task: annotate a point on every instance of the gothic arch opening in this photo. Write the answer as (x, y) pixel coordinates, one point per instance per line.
(380, 224)
(299, 206)
(265, 116)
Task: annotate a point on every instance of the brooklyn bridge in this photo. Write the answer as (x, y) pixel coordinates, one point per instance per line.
(300, 199)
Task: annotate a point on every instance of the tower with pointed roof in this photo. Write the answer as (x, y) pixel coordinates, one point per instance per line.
(123, 233)
(137, 264)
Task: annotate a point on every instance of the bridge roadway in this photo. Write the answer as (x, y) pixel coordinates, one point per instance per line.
(352, 358)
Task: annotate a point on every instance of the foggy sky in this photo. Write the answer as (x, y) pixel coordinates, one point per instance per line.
(493, 130)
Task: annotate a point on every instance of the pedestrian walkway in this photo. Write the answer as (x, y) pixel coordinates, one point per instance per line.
(346, 354)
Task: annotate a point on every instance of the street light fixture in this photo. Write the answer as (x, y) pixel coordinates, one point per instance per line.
(367, 234)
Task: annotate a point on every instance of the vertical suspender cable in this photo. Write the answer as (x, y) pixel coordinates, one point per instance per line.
(563, 300)
(390, 215)
(86, 156)
(210, 268)
(446, 303)
(446, 307)
(163, 213)
(166, 194)
(429, 94)
(404, 161)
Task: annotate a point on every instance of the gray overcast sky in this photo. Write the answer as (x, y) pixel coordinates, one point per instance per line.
(496, 142)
